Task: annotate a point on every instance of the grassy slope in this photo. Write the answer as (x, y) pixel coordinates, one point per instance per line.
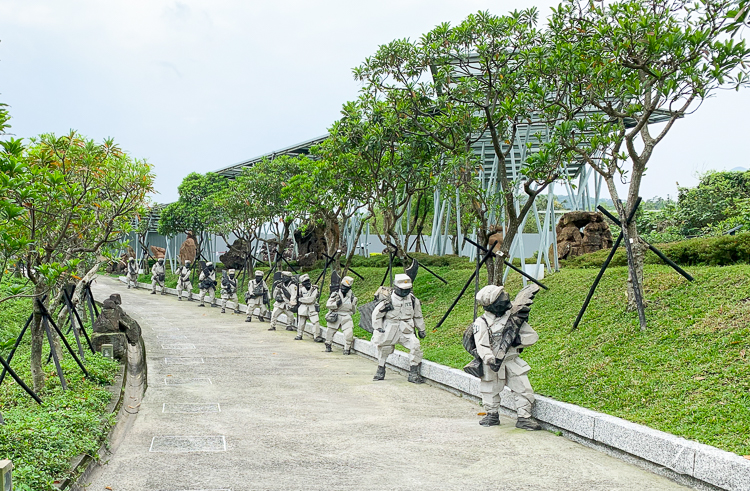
(41, 440)
(689, 374)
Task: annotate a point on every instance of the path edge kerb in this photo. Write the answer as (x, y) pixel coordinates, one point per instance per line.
(131, 381)
(684, 461)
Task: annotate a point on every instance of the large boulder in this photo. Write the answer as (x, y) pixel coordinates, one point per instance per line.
(234, 258)
(188, 250)
(310, 245)
(158, 252)
(582, 232)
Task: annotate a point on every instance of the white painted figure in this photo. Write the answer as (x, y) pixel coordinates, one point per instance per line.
(132, 275)
(183, 281)
(342, 305)
(207, 284)
(256, 298)
(285, 295)
(158, 274)
(308, 309)
(506, 369)
(229, 291)
(397, 320)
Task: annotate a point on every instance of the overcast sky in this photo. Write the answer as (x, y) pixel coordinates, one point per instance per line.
(196, 86)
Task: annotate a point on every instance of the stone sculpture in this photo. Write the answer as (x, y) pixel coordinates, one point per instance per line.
(188, 250)
(395, 320)
(495, 340)
(342, 304)
(207, 284)
(285, 296)
(158, 275)
(158, 252)
(229, 291)
(115, 327)
(183, 281)
(256, 298)
(307, 309)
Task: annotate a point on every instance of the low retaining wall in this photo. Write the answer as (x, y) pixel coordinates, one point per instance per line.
(684, 461)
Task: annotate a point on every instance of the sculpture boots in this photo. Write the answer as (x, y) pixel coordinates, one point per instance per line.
(528, 424)
(380, 374)
(347, 351)
(328, 348)
(223, 310)
(298, 337)
(492, 419)
(248, 319)
(414, 376)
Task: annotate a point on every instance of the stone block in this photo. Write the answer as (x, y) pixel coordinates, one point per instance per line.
(722, 469)
(451, 377)
(118, 341)
(655, 446)
(566, 416)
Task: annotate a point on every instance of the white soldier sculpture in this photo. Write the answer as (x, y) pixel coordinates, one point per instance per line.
(132, 276)
(158, 274)
(342, 304)
(395, 320)
(229, 291)
(183, 282)
(285, 294)
(495, 340)
(207, 284)
(307, 309)
(256, 298)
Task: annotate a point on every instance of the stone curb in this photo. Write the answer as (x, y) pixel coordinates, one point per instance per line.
(687, 462)
(81, 465)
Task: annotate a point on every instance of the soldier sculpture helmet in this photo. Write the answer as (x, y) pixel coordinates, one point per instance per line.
(494, 299)
(348, 281)
(304, 277)
(161, 260)
(231, 272)
(403, 281)
(259, 273)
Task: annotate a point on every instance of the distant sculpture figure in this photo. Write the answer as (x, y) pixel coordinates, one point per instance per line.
(229, 291)
(285, 294)
(395, 320)
(341, 305)
(183, 282)
(256, 298)
(132, 276)
(207, 284)
(158, 274)
(495, 340)
(307, 309)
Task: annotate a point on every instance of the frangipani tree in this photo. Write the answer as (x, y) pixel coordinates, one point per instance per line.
(72, 198)
(614, 67)
(459, 84)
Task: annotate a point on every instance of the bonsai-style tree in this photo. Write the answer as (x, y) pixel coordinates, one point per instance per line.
(72, 198)
(615, 67)
(459, 84)
(194, 211)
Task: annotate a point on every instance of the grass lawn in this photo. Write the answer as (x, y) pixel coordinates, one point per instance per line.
(688, 374)
(41, 440)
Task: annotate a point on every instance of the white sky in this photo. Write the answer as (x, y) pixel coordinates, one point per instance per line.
(196, 86)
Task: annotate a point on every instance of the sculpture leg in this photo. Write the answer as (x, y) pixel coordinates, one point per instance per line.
(411, 342)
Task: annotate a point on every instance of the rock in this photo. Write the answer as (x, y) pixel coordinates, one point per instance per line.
(188, 250)
(582, 232)
(117, 340)
(311, 245)
(234, 258)
(109, 319)
(158, 252)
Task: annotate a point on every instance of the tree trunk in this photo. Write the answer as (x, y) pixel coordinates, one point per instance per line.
(332, 234)
(635, 253)
(37, 342)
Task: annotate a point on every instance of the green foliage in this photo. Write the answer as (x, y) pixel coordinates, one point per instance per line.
(42, 440)
(713, 251)
(193, 211)
(64, 198)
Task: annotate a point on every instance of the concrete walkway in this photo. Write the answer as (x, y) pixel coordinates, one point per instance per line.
(232, 406)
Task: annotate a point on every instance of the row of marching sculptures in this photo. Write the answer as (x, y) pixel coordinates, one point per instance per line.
(495, 340)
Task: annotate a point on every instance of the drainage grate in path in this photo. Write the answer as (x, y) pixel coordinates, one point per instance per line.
(180, 444)
(187, 381)
(178, 346)
(190, 408)
(183, 361)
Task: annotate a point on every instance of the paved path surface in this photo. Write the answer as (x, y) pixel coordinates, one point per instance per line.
(231, 406)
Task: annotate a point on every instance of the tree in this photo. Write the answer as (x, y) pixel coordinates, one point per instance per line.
(384, 162)
(614, 67)
(194, 211)
(73, 198)
(459, 84)
(321, 193)
(266, 182)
